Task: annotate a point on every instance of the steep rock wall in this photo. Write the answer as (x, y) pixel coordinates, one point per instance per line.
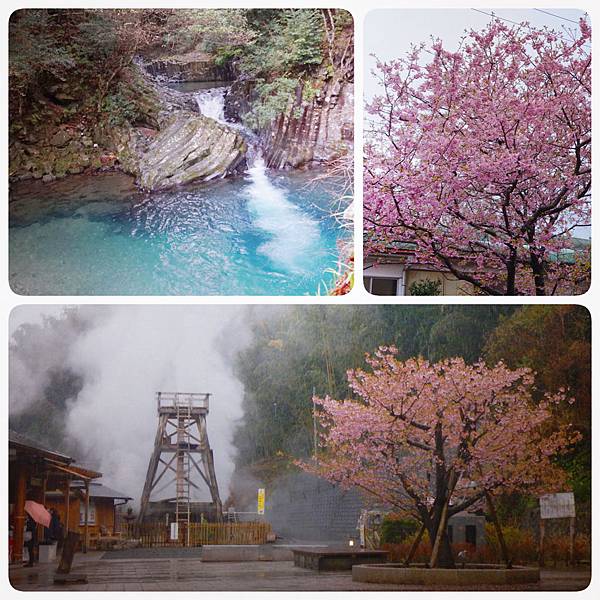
(189, 67)
(319, 131)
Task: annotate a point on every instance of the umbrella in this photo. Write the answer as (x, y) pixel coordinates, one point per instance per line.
(38, 513)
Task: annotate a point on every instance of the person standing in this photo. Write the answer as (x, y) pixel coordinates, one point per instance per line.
(30, 539)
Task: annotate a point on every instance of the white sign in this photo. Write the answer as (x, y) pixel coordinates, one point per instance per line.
(557, 506)
(174, 531)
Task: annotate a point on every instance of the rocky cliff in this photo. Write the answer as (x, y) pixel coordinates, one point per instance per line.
(316, 129)
(189, 67)
(315, 132)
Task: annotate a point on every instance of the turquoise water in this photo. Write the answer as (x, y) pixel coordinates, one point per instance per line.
(263, 233)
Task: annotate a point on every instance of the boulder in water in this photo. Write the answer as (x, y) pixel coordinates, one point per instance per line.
(190, 148)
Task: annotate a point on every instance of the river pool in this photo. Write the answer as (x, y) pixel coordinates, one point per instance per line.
(262, 233)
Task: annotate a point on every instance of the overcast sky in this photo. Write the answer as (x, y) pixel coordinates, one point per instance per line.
(389, 33)
(126, 354)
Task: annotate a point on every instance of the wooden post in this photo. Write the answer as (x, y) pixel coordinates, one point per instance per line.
(67, 494)
(452, 481)
(19, 514)
(42, 496)
(68, 552)
(414, 546)
(572, 541)
(86, 515)
(501, 540)
(542, 535)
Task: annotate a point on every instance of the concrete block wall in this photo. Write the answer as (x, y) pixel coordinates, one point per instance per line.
(305, 508)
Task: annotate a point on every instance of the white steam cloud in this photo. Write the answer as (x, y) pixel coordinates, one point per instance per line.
(133, 352)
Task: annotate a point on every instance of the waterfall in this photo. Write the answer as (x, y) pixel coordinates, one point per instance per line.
(211, 103)
(293, 234)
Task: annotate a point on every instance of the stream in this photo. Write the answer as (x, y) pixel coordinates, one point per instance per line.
(262, 233)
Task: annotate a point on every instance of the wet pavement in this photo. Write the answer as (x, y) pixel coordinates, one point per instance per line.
(164, 573)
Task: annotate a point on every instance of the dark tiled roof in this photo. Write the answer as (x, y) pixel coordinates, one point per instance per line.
(18, 439)
(99, 490)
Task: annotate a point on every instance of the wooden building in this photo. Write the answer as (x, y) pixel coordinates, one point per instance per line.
(32, 470)
(102, 508)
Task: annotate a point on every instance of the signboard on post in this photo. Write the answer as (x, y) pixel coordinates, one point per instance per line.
(174, 531)
(261, 501)
(557, 506)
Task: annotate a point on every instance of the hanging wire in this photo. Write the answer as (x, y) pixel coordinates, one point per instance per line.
(495, 16)
(557, 16)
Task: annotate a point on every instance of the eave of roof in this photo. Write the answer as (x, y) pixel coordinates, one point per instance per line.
(99, 490)
(16, 440)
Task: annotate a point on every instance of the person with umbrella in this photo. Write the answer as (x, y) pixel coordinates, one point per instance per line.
(36, 513)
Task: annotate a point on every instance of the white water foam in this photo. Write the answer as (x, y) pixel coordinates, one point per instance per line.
(211, 103)
(294, 235)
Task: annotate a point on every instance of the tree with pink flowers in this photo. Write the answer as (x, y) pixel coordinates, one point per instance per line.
(432, 440)
(481, 158)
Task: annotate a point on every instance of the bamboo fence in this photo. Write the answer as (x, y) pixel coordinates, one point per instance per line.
(152, 535)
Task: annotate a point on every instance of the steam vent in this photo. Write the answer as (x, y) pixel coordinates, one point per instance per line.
(182, 456)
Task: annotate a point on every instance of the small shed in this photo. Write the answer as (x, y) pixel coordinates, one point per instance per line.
(102, 510)
(467, 528)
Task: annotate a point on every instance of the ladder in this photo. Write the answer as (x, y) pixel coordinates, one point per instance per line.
(182, 481)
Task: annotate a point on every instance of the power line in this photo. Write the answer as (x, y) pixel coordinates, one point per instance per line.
(557, 16)
(495, 16)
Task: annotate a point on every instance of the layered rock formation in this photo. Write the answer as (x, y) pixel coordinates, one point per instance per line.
(190, 148)
(189, 67)
(319, 131)
(311, 132)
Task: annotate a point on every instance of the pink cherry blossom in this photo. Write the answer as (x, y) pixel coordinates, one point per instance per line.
(482, 157)
(410, 428)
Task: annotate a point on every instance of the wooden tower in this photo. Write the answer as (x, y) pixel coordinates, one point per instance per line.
(182, 450)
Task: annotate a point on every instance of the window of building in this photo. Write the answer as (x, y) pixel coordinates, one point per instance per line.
(381, 286)
(91, 513)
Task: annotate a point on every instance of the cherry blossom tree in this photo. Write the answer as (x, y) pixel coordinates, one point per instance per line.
(433, 440)
(481, 157)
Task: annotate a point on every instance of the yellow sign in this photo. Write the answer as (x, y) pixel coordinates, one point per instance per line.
(261, 501)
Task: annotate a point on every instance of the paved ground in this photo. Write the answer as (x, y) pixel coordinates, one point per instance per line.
(190, 574)
(142, 553)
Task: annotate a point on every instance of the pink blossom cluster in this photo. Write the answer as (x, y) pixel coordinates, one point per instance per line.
(482, 157)
(410, 424)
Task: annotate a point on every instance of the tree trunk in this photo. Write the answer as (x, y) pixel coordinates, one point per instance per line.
(511, 273)
(537, 265)
(538, 275)
(445, 558)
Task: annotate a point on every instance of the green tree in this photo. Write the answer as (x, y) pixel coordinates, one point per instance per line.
(555, 342)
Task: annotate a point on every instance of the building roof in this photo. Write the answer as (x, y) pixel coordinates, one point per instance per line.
(56, 462)
(18, 440)
(99, 490)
